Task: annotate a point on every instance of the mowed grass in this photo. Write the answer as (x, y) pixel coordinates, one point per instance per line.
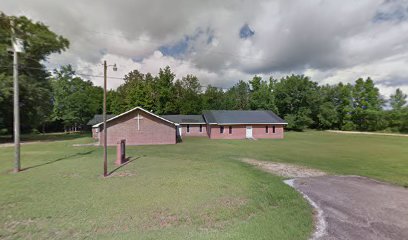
(383, 158)
(194, 190)
(182, 191)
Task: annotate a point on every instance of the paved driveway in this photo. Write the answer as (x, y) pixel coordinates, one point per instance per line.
(358, 208)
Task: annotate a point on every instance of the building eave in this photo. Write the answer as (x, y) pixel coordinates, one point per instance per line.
(132, 110)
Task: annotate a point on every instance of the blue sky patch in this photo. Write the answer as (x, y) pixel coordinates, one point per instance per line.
(137, 59)
(103, 51)
(246, 32)
(394, 12)
(176, 49)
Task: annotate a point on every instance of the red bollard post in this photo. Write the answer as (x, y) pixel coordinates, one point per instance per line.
(121, 152)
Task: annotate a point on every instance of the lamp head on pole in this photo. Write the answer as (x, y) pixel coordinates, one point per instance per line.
(115, 68)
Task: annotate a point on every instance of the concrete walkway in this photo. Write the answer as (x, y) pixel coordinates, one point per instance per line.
(358, 208)
(347, 207)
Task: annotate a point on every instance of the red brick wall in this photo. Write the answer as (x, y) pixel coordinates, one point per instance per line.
(258, 131)
(239, 132)
(152, 130)
(194, 130)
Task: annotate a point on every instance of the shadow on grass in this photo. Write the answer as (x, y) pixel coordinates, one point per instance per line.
(45, 137)
(128, 160)
(59, 159)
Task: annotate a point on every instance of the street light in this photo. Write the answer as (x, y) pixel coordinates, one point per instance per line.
(105, 130)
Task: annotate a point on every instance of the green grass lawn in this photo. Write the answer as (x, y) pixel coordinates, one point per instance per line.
(194, 190)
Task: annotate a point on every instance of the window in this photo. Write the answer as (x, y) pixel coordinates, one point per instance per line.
(273, 129)
(188, 128)
(266, 129)
(230, 130)
(221, 129)
(201, 128)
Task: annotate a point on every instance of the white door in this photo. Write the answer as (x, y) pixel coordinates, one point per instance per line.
(180, 130)
(248, 131)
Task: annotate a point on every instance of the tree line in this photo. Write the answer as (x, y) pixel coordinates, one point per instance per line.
(61, 100)
(296, 98)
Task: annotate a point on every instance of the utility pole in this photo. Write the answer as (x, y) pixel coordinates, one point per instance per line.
(105, 129)
(17, 164)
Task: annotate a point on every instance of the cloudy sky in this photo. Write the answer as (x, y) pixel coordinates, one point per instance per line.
(224, 41)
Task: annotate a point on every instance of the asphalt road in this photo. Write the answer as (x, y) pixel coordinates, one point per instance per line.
(358, 208)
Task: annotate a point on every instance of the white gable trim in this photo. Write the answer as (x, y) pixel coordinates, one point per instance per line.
(132, 110)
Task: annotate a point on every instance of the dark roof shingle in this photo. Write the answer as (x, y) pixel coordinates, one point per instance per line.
(184, 119)
(241, 117)
(99, 118)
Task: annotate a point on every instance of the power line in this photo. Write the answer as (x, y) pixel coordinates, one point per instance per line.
(76, 73)
(90, 75)
(160, 43)
(98, 76)
(206, 50)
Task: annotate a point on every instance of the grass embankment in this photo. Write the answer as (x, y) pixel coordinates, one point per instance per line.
(193, 190)
(179, 191)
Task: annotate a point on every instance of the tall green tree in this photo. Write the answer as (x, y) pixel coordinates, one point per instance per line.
(327, 116)
(336, 107)
(238, 96)
(367, 105)
(75, 100)
(35, 88)
(262, 94)
(189, 95)
(114, 102)
(297, 100)
(398, 100)
(398, 115)
(6, 92)
(213, 98)
(165, 92)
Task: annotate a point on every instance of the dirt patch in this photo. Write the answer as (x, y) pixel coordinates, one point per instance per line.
(231, 202)
(164, 218)
(210, 216)
(284, 169)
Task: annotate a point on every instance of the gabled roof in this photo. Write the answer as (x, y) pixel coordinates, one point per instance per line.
(132, 110)
(223, 117)
(185, 119)
(99, 118)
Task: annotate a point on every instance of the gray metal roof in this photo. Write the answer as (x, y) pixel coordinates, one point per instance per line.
(99, 118)
(192, 119)
(241, 117)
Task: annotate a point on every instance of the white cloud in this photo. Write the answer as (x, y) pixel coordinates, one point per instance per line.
(330, 41)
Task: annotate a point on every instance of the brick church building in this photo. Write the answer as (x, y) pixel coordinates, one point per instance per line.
(141, 127)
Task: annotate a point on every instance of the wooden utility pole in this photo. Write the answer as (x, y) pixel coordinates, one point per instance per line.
(17, 164)
(105, 129)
